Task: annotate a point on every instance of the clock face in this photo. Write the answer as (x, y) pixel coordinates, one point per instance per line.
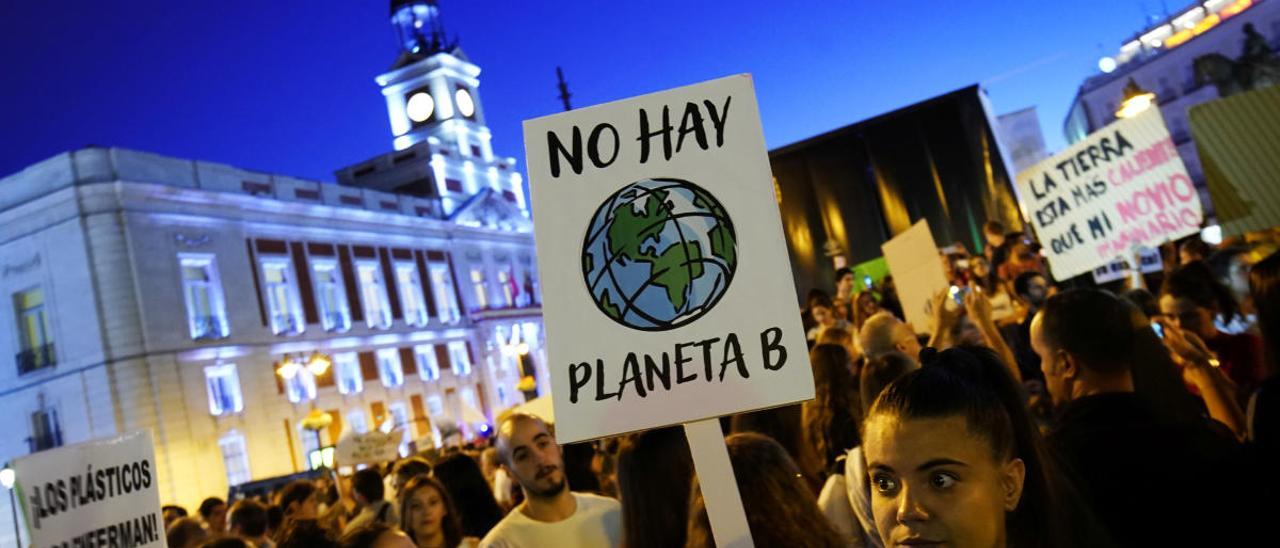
(420, 106)
(466, 105)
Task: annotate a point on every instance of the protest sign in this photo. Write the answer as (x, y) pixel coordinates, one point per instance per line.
(368, 448)
(1148, 258)
(97, 493)
(1121, 187)
(917, 272)
(667, 290)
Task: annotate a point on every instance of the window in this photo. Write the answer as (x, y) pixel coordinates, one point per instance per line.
(435, 405)
(401, 418)
(446, 298)
(331, 297)
(310, 440)
(357, 421)
(36, 339)
(282, 298)
(235, 458)
(460, 357)
(373, 293)
(223, 386)
(347, 371)
(509, 289)
(482, 293)
(389, 368)
(46, 432)
(415, 310)
(301, 386)
(206, 310)
(428, 367)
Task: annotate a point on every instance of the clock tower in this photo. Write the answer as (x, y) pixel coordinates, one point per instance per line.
(442, 145)
(431, 88)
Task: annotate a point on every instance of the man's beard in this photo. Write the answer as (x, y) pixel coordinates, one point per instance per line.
(549, 492)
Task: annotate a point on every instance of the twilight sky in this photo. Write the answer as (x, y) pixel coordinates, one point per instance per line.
(286, 86)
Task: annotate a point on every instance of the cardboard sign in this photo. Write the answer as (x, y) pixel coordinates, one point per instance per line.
(667, 290)
(1121, 187)
(368, 448)
(917, 271)
(98, 493)
(1149, 259)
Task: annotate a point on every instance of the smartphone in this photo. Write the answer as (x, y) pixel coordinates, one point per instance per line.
(957, 294)
(866, 282)
(1159, 329)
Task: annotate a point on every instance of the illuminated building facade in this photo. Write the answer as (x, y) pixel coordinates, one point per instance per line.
(1162, 59)
(218, 307)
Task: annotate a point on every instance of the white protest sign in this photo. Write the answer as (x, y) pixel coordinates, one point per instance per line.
(1121, 187)
(913, 259)
(1149, 261)
(368, 448)
(667, 290)
(97, 493)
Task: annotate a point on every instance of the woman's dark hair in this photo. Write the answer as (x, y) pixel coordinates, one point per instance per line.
(577, 467)
(410, 468)
(781, 509)
(820, 298)
(655, 474)
(1195, 282)
(784, 425)
(1264, 287)
(450, 525)
(990, 282)
(829, 423)
(207, 506)
(471, 494)
(366, 536)
(184, 531)
(973, 383)
(304, 533)
(1146, 302)
(295, 491)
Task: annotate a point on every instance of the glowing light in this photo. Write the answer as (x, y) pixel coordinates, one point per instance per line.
(466, 105)
(318, 363)
(8, 477)
(402, 142)
(1107, 64)
(1136, 100)
(288, 369)
(1212, 235)
(420, 106)
(1235, 8)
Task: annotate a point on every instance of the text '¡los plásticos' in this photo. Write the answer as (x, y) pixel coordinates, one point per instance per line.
(709, 360)
(95, 485)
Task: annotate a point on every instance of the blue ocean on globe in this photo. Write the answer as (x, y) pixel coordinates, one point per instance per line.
(658, 254)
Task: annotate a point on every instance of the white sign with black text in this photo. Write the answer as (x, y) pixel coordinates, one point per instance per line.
(97, 493)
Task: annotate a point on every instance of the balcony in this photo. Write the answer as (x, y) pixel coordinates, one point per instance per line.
(36, 358)
(337, 321)
(45, 441)
(206, 328)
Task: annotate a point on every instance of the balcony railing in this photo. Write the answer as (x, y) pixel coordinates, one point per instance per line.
(207, 327)
(337, 321)
(47, 440)
(36, 358)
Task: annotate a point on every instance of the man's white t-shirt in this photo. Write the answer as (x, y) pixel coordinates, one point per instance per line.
(597, 521)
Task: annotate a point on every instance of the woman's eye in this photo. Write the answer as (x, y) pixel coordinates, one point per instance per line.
(943, 480)
(884, 484)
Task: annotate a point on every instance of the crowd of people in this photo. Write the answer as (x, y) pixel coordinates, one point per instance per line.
(1137, 413)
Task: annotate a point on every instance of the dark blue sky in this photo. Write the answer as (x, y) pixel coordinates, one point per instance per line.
(286, 86)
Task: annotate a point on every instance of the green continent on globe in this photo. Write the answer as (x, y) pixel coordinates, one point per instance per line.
(674, 268)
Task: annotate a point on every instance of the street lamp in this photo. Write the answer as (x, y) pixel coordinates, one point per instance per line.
(7, 479)
(1136, 100)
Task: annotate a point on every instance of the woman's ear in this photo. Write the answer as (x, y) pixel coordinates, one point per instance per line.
(1012, 478)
